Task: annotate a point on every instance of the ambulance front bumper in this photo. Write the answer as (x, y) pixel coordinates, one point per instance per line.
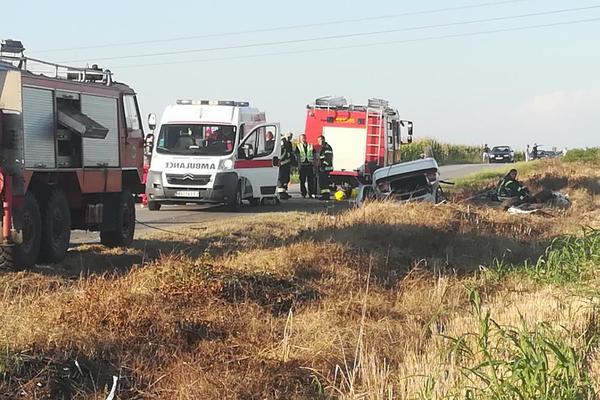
(222, 191)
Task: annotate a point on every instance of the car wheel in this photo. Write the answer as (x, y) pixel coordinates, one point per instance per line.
(154, 205)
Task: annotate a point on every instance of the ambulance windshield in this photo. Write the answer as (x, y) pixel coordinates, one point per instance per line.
(196, 139)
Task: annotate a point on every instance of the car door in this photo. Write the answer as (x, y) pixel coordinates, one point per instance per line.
(258, 159)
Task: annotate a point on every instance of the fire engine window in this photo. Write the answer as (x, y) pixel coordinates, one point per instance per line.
(71, 126)
(192, 139)
(132, 117)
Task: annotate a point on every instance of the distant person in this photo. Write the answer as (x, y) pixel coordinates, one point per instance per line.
(527, 153)
(485, 157)
(513, 192)
(306, 160)
(534, 152)
(269, 142)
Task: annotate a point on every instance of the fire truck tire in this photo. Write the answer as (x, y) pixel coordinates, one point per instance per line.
(153, 205)
(56, 227)
(254, 201)
(123, 235)
(25, 254)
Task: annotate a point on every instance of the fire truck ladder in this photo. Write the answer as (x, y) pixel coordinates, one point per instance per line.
(374, 122)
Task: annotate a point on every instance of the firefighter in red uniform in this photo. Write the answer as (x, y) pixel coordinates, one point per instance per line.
(325, 167)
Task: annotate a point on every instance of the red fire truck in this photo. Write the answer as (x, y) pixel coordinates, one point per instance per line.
(71, 156)
(363, 138)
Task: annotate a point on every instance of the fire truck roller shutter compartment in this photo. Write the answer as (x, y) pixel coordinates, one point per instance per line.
(38, 127)
(349, 147)
(96, 151)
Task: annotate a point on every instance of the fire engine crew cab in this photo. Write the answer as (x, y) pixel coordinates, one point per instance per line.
(363, 138)
(213, 152)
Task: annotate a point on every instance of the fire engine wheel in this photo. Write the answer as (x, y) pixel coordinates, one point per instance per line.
(153, 205)
(56, 227)
(125, 227)
(26, 253)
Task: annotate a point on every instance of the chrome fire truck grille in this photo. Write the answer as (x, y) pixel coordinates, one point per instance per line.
(188, 179)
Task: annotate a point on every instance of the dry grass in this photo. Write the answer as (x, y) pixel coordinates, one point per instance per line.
(356, 305)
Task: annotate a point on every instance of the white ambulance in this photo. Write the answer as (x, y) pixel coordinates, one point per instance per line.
(212, 152)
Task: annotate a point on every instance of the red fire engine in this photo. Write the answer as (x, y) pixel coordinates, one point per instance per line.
(363, 138)
(71, 156)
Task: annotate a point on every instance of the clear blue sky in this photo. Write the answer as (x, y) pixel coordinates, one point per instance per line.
(513, 88)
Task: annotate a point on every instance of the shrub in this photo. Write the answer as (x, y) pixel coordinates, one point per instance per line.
(591, 155)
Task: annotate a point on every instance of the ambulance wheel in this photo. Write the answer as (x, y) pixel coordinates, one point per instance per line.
(235, 204)
(125, 228)
(153, 205)
(56, 227)
(25, 254)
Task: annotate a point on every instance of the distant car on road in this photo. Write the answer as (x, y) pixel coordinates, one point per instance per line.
(502, 154)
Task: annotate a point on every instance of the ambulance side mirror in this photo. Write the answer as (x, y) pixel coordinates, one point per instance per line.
(148, 144)
(152, 121)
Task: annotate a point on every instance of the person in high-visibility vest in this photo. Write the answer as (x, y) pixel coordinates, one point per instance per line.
(306, 164)
(325, 167)
(285, 166)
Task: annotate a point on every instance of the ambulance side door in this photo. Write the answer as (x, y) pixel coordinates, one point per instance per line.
(258, 159)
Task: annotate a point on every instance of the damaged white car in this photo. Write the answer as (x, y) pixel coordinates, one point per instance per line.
(417, 180)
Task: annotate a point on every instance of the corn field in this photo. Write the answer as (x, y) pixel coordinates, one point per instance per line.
(446, 153)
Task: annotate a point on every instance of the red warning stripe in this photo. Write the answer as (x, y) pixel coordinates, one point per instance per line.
(253, 163)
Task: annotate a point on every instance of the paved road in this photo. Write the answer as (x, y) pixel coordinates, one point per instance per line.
(170, 217)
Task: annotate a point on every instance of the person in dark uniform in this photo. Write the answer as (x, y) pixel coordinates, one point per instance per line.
(514, 193)
(534, 151)
(285, 167)
(306, 160)
(510, 187)
(325, 167)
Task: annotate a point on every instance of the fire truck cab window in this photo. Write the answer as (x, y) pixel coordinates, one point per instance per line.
(132, 117)
(192, 139)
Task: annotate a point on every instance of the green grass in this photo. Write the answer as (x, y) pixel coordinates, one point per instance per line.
(491, 176)
(526, 363)
(446, 153)
(568, 260)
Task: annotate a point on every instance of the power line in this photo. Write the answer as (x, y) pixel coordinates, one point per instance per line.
(386, 43)
(343, 36)
(285, 28)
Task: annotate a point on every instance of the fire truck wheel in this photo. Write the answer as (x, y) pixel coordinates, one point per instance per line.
(153, 205)
(254, 201)
(56, 227)
(26, 253)
(123, 235)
